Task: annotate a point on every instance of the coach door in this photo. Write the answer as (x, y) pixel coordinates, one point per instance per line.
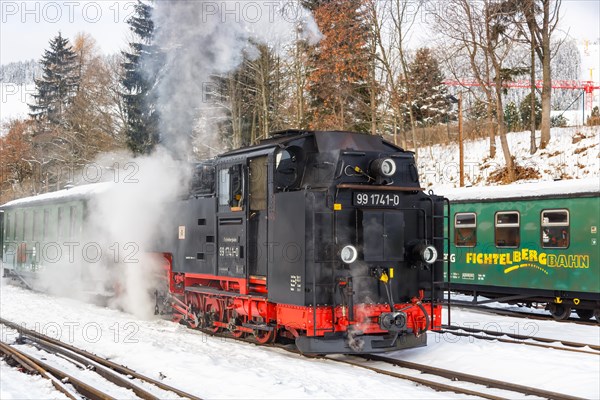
(231, 220)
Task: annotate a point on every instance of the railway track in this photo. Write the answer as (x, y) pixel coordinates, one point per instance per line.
(443, 380)
(518, 314)
(112, 373)
(454, 377)
(447, 380)
(520, 339)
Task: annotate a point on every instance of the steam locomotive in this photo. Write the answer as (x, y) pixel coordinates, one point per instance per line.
(325, 238)
(322, 238)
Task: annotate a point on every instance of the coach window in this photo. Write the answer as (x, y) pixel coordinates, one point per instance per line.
(465, 229)
(508, 229)
(63, 223)
(34, 225)
(45, 224)
(8, 224)
(555, 229)
(23, 236)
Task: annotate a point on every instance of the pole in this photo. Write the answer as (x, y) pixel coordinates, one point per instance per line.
(583, 107)
(460, 142)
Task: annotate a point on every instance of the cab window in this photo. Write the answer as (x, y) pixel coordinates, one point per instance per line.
(287, 168)
(507, 229)
(465, 229)
(555, 229)
(231, 188)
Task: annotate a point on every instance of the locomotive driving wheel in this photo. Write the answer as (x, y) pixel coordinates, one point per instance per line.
(194, 305)
(234, 322)
(263, 336)
(213, 312)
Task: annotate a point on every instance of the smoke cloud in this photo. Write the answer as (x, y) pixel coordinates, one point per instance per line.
(204, 39)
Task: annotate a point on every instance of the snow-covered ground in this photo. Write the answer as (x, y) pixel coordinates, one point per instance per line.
(573, 153)
(220, 368)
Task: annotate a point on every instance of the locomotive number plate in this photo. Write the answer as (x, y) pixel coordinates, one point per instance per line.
(370, 199)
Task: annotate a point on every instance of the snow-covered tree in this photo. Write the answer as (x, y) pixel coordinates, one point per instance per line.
(59, 83)
(20, 72)
(429, 102)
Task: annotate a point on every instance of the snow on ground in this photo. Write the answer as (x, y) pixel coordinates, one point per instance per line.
(565, 372)
(439, 166)
(202, 365)
(17, 385)
(220, 368)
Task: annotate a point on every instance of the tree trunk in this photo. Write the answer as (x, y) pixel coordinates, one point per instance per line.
(502, 132)
(373, 88)
(492, 130)
(547, 84)
(546, 100)
(532, 145)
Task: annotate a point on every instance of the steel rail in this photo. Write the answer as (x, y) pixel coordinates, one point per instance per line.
(438, 386)
(448, 374)
(519, 314)
(107, 373)
(495, 335)
(36, 336)
(441, 387)
(46, 369)
(513, 341)
(460, 376)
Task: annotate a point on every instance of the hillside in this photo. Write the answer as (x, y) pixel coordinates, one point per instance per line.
(573, 153)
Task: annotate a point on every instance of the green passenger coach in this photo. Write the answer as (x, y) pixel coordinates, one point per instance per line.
(529, 243)
(41, 233)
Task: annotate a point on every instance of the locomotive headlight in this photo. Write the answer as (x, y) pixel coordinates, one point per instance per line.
(429, 254)
(349, 254)
(385, 167)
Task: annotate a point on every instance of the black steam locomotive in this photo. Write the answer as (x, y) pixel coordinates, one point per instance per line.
(325, 238)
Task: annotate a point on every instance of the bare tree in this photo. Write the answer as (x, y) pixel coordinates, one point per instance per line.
(480, 31)
(391, 22)
(537, 21)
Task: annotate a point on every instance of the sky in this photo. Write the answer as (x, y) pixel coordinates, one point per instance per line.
(27, 26)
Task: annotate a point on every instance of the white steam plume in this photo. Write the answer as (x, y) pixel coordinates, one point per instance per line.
(127, 220)
(202, 39)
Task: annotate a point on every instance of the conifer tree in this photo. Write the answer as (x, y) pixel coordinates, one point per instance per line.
(429, 104)
(512, 117)
(141, 129)
(59, 83)
(525, 110)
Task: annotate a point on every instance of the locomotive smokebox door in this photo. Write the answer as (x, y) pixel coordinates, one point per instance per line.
(382, 235)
